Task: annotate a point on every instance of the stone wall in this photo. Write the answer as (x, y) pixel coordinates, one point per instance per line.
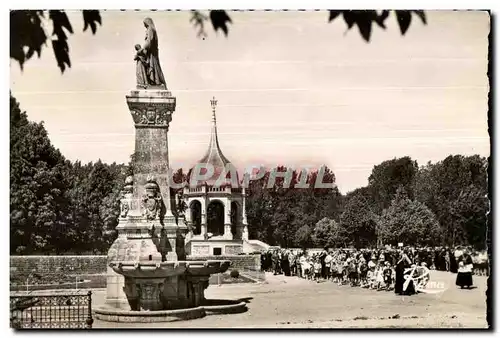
(44, 265)
(240, 262)
(93, 268)
(42, 270)
(247, 265)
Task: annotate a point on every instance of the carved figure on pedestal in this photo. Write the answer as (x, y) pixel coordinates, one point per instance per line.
(141, 65)
(152, 201)
(124, 207)
(125, 196)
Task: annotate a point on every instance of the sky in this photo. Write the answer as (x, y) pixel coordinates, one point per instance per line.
(291, 89)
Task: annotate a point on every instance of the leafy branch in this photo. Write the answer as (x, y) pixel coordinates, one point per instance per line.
(28, 35)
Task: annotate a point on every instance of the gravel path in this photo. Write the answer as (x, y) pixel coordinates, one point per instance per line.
(291, 302)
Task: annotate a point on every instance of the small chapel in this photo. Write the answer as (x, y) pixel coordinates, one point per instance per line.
(216, 214)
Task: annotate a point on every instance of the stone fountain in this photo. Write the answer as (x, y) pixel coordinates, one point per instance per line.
(149, 278)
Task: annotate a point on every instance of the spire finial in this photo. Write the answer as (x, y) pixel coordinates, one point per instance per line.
(213, 103)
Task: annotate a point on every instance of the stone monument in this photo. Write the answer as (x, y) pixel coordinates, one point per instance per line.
(147, 267)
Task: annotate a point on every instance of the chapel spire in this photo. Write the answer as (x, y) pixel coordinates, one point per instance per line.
(214, 155)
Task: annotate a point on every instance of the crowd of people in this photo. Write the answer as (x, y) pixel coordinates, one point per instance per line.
(405, 270)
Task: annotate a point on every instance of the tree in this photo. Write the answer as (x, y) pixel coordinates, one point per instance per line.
(37, 186)
(285, 216)
(358, 222)
(455, 190)
(28, 30)
(259, 210)
(468, 212)
(303, 237)
(326, 233)
(410, 222)
(388, 176)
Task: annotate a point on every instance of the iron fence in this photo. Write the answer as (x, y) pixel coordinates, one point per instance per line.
(69, 310)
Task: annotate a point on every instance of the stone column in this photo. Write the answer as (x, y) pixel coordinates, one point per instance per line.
(152, 112)
(244, 233)
(198, 286)
(203, 226)
(227, 219)
(204, 207)
(188, 215)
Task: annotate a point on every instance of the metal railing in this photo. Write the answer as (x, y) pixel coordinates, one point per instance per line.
(69, 310)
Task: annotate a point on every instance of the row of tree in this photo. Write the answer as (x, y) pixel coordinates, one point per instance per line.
(57, 206)
(440, 204)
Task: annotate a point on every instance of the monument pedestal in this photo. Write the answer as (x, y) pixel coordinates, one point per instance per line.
(146, 277)
(148, 231)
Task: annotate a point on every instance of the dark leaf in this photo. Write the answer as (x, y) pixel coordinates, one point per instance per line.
(421, 15)
(61, 51)
(26, 32)
(91, 18)
(219, 20)
(198, 19)
(349, 18)
(404, 20)
(333, 15)
(60, 20)
(365, 28)
(380, 20)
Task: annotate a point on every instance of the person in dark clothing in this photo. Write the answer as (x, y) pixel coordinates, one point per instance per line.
(437, 265)
(429, 258)
(464, 276)
(453, 262)
(409, 284)
(323, 264)
(443, 261)
(276, 259)
(367, 255)
(285, 264)
(402, 264)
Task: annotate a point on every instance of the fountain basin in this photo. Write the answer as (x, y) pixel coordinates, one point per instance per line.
(123, 316)
(171, 285)
(207, 268)
(149, 270)
(145, 282)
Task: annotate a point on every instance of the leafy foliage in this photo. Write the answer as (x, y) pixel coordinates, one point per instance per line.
(455, 190)
(28, 30)
(198, 20)
(286, 216)
(38, 185)
(388, 176)
(328, 233)
(28, 33)
(57, 206)
(358, 223)
(365, 19)
(220, 19)
(303, 237)
(408, 221)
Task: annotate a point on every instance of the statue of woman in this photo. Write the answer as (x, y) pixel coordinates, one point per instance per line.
(151, 54)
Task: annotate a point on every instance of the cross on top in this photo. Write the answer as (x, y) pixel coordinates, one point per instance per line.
(213, 103)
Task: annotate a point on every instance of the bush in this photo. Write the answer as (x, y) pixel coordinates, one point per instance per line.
(234, 273)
